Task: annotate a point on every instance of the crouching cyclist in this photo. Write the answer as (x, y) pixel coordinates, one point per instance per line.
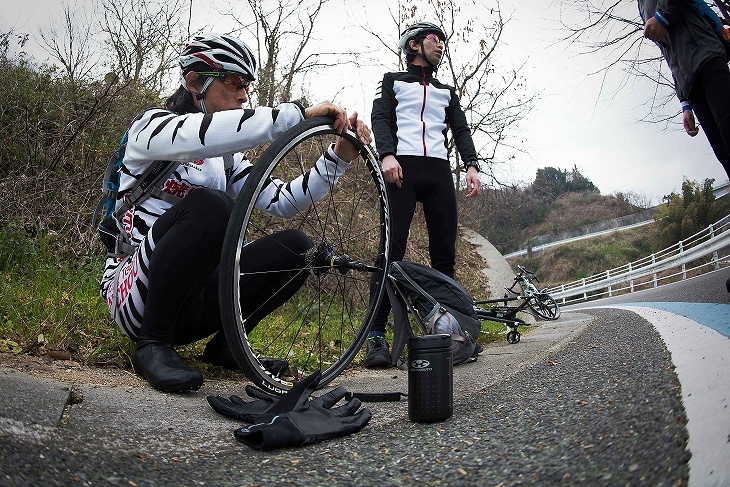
(166, 292)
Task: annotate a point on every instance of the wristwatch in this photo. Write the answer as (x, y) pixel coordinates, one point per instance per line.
(473, 164)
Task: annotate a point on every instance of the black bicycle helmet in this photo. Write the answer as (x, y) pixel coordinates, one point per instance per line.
(418, 31)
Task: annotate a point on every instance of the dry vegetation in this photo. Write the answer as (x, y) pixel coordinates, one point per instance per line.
(573, 210)
(572, 261)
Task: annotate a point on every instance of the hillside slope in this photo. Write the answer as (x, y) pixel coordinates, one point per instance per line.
(573, 210)
(576, 260)
(511, 217)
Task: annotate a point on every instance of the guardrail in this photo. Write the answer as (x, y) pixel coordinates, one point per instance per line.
(721, 189)
(692, 256)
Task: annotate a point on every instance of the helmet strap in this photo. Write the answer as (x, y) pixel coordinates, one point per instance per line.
(201, 94)
(423, 55)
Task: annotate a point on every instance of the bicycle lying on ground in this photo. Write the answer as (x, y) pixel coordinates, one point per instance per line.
(532, 300)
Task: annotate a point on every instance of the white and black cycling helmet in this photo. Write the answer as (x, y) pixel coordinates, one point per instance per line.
(214, 55)
(218, 53)
(417, 31)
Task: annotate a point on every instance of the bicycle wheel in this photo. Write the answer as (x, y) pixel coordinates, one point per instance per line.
(544, 306)
(327, 300)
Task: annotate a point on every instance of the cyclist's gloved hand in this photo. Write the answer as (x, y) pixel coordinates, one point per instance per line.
(316, 421)
(237, 408)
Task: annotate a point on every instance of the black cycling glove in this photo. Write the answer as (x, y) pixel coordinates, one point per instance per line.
(307, 423)
(237, 408)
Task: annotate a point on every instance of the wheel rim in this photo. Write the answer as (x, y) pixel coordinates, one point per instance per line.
(544, 306)
(322, 326)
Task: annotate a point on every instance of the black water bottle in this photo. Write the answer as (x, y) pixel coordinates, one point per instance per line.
(430, 378)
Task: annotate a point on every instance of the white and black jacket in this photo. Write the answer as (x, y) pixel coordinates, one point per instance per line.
(412, 112)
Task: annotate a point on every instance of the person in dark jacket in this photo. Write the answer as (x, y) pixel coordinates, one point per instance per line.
(690, 37)
(411, 115)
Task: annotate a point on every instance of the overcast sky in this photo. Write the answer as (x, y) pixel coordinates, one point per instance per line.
(570, 125)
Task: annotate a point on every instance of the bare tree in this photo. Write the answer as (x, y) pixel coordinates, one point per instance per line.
(283, 31)
(614, 29)
(494, 100)
(144, 37)
(70, 43)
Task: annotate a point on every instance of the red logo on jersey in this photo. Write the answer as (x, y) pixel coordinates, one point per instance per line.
(177, 188)
(127, 221)
(127, 276)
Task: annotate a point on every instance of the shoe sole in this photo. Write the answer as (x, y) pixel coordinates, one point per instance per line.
(379, 363)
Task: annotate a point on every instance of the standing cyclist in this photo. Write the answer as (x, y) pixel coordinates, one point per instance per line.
(411, 114)
(166, 292)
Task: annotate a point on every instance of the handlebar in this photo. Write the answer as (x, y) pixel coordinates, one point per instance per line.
(529, 275)
(525, 270)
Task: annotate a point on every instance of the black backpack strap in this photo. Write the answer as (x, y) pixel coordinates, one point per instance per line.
(149, 184)
(97, 212)
(109, 193)
(401, 325)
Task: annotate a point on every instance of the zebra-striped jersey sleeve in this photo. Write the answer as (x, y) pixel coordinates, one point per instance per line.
(161, 135)
(284, 198)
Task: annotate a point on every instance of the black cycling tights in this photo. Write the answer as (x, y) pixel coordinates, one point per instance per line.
(710, 100)
(182, 300)
(429, 181)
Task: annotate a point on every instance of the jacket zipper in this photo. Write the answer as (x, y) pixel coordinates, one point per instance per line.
(423, 110)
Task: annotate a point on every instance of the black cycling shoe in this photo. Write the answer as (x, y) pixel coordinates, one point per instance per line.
(377, 354)
(217, 352)
(163, 368)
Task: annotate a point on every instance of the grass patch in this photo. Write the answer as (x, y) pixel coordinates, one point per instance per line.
(493, 331)
(49, 304)
(576, 260)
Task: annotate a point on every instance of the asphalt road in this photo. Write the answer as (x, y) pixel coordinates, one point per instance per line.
(693, 319)
(593, 398)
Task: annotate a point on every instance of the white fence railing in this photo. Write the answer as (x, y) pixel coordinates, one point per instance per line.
(694, 255)
(537, 248)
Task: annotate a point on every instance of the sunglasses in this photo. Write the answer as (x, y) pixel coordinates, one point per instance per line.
(434, 38)
(232, 81)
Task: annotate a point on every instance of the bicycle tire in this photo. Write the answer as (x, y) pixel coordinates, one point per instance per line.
(544, 306)
(324, 324)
